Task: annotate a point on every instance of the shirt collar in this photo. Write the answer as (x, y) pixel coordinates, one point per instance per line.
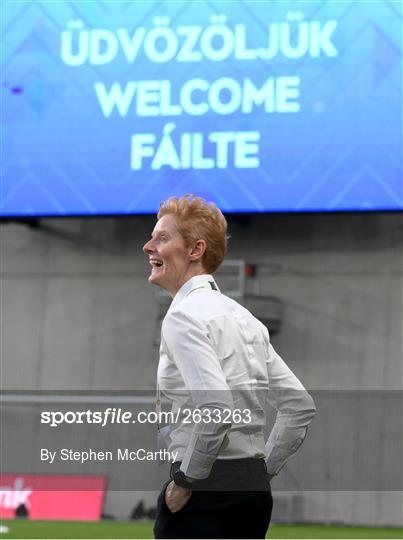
(205, 281)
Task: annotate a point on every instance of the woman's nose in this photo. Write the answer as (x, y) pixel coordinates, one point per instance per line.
(147, 247)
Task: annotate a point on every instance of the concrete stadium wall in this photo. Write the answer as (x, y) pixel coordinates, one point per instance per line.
(78, 314)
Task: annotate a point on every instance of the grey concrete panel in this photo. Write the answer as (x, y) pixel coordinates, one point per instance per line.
(68, 334)
(22, 311)
(24, 250)
(124, 313)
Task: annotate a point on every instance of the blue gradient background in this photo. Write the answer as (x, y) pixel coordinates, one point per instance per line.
(342, 151)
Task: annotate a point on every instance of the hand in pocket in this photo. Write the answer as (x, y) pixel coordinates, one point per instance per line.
(176, 497)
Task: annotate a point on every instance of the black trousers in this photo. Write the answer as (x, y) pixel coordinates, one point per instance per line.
(234, 502)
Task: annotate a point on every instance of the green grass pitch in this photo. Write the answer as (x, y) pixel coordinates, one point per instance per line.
(143, 529)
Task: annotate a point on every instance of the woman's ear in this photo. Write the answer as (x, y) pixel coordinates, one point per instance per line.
(197, 250)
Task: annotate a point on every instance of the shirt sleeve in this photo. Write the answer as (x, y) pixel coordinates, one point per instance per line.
(295, 410)
(189, 344)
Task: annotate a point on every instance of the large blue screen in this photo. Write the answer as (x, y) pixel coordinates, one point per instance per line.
(108, 107)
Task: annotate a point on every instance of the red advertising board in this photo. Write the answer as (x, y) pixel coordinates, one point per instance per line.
(52, 497)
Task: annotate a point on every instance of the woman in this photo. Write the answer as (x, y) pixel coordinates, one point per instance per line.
(218, 368)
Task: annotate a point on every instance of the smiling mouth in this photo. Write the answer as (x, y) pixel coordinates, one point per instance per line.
(156, 263)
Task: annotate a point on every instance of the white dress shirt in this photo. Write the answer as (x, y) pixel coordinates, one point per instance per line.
(215, 355)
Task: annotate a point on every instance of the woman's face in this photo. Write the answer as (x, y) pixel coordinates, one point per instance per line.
(168, 255)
